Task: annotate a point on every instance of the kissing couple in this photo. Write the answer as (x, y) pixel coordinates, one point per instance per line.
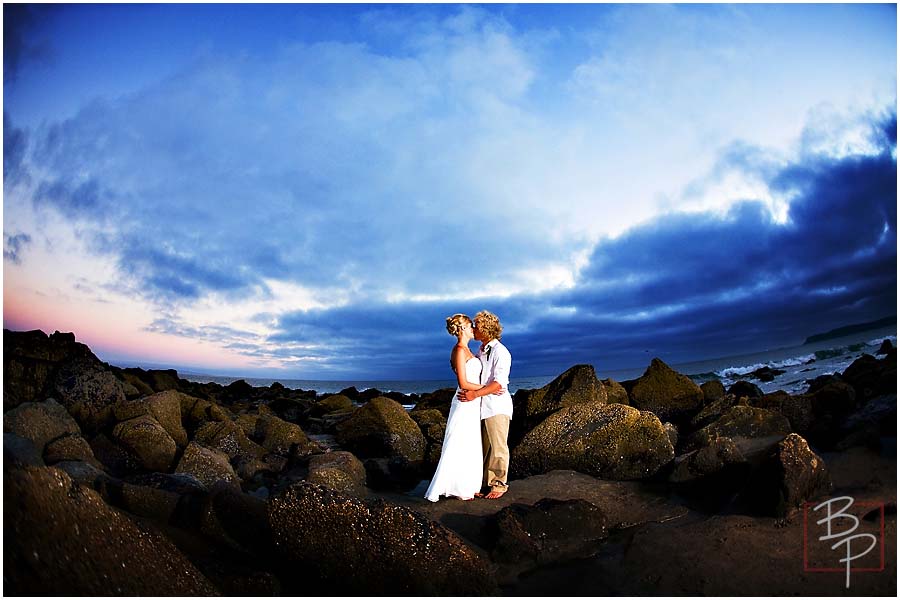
(475, 456)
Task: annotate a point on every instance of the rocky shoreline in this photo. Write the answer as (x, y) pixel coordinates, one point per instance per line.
(137, 482)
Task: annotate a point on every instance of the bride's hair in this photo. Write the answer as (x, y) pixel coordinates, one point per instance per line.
(489, 324)
(457, 322)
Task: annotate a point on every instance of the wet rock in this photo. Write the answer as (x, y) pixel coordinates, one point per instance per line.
(741, 422)
(89, 391)
(886, 347)
(165, 407)
(382, 428)
(615, 392)
(713, 391)
(334, 403)
(70, 447)
(40, 422)
(433, 425)
(766, 373)
(339, 471)
(745, 389)
(670, 395)
(547, 532)
(68, 542)
(207, 465)
(355, 547)
(147, 440)
(610, 441)
(20, 452)
(791, 474)
(578, 385)
(672, 432)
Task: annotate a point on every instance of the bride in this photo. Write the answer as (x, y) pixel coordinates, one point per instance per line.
(459, 471)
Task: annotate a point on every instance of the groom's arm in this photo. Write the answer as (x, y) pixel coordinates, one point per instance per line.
(469, 395)
(499, 379)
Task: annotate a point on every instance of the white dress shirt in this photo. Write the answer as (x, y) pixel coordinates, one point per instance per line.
(495, 364)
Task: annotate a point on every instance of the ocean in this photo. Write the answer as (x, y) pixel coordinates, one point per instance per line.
(800, 364)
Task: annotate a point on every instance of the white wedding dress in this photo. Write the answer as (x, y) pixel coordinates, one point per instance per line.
(459, 471)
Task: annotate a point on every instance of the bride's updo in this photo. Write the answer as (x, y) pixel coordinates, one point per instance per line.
(456, 323)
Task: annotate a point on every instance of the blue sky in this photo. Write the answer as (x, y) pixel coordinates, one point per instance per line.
(307, 191)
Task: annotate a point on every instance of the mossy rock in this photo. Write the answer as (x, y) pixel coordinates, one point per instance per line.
(433, 425)
(668, 394)
(339, 471)
(165, 407)
(89, 391)
(382, 428)
(615, 392)
(148, 441)
(333, 403)
(227, 437)
(286, 439)
(610, 441)
(439, 400)
(207, 465)
(712, 391)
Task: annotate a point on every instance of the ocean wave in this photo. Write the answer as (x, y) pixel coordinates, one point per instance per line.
(731, 372)
(878, 341)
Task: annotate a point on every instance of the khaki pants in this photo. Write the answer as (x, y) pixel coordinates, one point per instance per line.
(494, 431)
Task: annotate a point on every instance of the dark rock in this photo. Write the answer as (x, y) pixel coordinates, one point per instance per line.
(238, 390)
(40, 422)
(610, 441)
(68, 542)
(351, 392)
(238, 520)
(578, 385)
(745, 389)
(711, 477)
(196, 411)
(821, 381)
(290, 409)
(89, 391)
(207, 465)
(229, 438)
(357, 547)
(871, 377)
(791, 474)
(117, 460)
(147, 440)
(30, 362)
(433, 425)
(339, 471)
(382, 428)
(615, 392)
(393, 474)
(866, 427)
(886, 347)
(741, 422)
(439, 400)
(128, 377)
(284, 438)
(162, 496)
(88, 475)
(165, 407)
(766, 373)
(70, 447)
(712, 391)
(672, 432)
(671, 396)
(708, 460)
(20, 452)
(713, 411)
(333, 403)
(797, 409)
(549, 531)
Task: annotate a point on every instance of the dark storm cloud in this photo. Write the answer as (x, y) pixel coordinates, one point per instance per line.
(682, 287)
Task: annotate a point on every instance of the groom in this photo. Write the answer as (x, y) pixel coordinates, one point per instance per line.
(496, 403)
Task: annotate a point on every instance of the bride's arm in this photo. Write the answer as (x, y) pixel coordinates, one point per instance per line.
(459, 365)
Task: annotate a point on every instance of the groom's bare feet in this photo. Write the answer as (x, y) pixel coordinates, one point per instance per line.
(494, 494)
(479, 495)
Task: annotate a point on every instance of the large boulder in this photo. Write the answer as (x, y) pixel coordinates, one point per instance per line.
(712, 391)
(382, 428)
(333, 403)
(615, 392)
(165, 407)
(40, 422)
(229, 438)
(355, 547)
(577, 385)
(30, 362)
(207, 465)
(115, 459)
(549, 531)
(741, 422)
(20, 452)
(149, 441)
(339, 471)
(89, 391)
(283, 438)
(70, 447)
(63, 540)
(871, 377)
(791, 474)
(668, 394)
(713, 411)
(610, 441)
(162, 496)
(745, 389)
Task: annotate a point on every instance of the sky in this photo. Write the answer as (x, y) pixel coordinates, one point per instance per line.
(308, 191)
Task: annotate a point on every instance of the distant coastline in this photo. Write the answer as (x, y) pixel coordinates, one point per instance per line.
(851, 329)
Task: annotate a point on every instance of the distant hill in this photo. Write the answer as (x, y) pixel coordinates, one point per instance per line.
(849, 329)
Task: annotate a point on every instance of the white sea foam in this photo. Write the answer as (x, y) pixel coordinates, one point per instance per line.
(878, 341)
(730, 372)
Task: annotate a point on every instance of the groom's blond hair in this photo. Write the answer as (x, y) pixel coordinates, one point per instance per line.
(489, 324)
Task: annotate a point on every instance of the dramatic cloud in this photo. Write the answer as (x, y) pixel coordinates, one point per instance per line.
(13, 246)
